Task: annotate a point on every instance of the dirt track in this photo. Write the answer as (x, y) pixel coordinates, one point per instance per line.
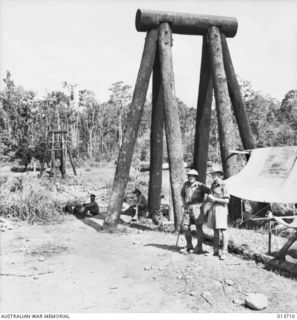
(72, 267)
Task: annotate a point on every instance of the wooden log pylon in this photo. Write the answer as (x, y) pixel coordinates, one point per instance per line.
(203, 116)
(131, 131)
(156, 152)
(172, 125)
(223, 104)
(236, 99)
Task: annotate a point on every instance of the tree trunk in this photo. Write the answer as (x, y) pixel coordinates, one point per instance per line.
(132, 126)
(120, 128)
(90, 143)
(156, 154)
(203, 117)
(235, 95)
(172, 126)
(223, 104)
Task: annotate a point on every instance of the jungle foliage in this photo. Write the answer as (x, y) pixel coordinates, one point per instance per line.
(96, 129)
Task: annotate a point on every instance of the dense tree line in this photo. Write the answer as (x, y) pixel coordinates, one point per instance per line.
(96, 129)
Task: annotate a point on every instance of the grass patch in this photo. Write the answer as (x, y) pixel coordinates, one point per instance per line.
(32, 199)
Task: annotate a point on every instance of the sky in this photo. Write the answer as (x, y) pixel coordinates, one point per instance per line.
(94, 43)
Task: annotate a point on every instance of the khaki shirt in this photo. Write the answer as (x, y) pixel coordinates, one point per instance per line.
(194, 193)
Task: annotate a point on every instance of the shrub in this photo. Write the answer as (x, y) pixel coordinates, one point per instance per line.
(32, 199)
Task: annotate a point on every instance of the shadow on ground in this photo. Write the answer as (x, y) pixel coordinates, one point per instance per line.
(164, 247)
(90, 222)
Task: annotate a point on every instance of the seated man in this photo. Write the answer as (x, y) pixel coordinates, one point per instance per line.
(127, 209)
(165, 207)
(140, 206)
(92, 207)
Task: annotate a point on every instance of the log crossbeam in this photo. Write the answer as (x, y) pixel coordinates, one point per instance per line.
(185, 23)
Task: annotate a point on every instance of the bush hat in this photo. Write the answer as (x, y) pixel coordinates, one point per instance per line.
(192, 172)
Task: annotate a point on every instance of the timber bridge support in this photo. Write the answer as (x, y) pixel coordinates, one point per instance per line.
(216, 74)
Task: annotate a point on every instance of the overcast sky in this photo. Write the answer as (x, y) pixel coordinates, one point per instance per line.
(94, 43)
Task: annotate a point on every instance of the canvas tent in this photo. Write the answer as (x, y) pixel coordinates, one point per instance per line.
(269, 176)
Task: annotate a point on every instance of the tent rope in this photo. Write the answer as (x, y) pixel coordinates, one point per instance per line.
(254, 215)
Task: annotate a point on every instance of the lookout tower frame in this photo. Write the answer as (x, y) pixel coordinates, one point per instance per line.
(57, 146)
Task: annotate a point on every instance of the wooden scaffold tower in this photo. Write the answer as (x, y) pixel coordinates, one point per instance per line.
(216, 74)
(58, 147)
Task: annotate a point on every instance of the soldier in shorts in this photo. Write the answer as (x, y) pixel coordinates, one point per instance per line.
(218, 213)
(193, 193)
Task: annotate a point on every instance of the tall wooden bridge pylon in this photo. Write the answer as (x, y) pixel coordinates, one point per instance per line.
(216, 74)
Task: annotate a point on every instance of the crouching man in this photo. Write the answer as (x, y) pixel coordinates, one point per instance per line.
(193, 194)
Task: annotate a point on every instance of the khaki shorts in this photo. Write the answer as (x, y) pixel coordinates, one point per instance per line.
(194, 215)
(217, 218)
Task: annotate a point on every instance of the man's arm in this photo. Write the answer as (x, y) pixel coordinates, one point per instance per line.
(183, 194)
(87, 205)
(205, 188)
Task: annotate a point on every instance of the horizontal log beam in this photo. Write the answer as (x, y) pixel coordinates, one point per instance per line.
(185, 23)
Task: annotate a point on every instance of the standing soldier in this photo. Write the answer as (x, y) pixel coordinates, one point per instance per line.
(218, 213)
(193, 193)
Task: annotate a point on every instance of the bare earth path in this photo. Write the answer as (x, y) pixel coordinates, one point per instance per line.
(72, 267)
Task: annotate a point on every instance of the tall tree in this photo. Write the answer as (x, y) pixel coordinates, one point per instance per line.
(120, 96)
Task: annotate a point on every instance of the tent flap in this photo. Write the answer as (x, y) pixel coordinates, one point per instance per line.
(269, 176)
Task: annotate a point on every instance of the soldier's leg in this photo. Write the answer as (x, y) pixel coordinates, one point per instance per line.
(187, 231)
(216, 241)
(224, 233)
(199, 220)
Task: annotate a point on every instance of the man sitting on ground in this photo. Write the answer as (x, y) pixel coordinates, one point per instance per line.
(164, 206)
(92, 207)
(140, 206)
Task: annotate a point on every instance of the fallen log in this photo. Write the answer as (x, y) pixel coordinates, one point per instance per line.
(271, 262)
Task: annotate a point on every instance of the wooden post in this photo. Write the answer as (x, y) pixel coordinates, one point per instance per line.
(53, 160)
(70, 159)
(132, 126)
(156, 154)
(235, 95)
(63, 156)
(283, 251)
(223, 104)
(44, 157)
(269, 237)
(172, 126)
(203, 117)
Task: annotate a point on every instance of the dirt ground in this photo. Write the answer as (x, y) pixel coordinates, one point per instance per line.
(74, 266)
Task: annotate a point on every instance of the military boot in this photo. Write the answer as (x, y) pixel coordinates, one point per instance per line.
(188, 237)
